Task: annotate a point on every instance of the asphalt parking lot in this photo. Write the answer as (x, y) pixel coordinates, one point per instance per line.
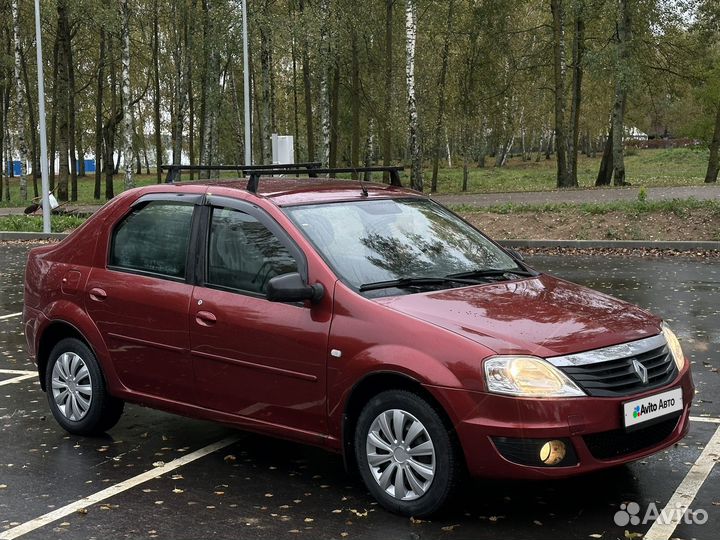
(162, 476)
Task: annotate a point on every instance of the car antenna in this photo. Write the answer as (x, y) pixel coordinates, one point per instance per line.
(362, 186)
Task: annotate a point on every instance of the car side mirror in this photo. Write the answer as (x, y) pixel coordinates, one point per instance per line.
(514, 253)
(292, 288)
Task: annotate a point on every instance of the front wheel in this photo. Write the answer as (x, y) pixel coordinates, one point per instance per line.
(76, 390)
(406, 456)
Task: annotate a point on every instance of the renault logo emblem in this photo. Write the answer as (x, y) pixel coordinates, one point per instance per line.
(641, 371)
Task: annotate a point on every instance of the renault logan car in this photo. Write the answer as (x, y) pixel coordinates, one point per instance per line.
(362, 318)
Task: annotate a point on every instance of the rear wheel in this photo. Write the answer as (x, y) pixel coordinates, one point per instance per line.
(76, 390)
(406, 456)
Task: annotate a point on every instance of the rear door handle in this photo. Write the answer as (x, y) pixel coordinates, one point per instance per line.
(205, 318)
(97, 294)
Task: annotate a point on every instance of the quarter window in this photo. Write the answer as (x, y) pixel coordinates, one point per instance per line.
(153, 238)
(243, 254)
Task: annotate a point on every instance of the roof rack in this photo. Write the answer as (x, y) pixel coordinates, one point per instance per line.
(313, 172)
(174, 170)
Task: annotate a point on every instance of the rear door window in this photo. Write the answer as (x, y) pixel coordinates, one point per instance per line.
(153, 239)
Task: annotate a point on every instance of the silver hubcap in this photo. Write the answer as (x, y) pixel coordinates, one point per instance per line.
(71, 386)
(400, 454)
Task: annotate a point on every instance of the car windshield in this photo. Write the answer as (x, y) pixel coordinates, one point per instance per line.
(374, 241)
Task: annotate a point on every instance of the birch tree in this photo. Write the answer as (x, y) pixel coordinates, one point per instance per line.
(324, 59)
(127, 113)
(209, 153)
(416, 172)
(19, 108)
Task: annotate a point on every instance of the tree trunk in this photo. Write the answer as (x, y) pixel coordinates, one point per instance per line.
(624, 35)
(212, 101)
(19, 94)
(334, 115)
(307, 88)
(265, 76)
(604, 176)
(80, 151)
(714, 162)
(191, 119)
(296, 117)
(355, 104)
(369, 148)
(32, 123)
(52, 149)
(63, 105)
(159, 158)
(388, 95)
(440, 118)
(2, 138)
(577, 64)
(324, 61)
(99, 115)
(557, 7)
(110, 126)
(416, 173)
(71, 114)
(127, 112)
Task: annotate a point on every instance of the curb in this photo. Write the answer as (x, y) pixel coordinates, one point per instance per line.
(614, 244)
(574, 244)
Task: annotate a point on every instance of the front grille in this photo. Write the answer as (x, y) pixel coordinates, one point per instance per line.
(611, 444)
(618, 377)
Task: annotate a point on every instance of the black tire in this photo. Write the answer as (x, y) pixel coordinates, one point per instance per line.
(447, 455)
(104, 410)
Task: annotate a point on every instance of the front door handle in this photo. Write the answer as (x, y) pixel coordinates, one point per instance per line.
(97, 294)
(205, 318)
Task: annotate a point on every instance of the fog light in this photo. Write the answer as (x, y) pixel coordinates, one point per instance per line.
(552, 452)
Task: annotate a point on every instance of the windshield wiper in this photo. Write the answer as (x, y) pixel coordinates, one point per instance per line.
(405, 282)
(491, 272)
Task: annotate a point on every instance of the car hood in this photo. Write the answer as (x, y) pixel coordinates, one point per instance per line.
(543, 316)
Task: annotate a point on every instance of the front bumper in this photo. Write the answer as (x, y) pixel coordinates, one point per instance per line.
(593, 425)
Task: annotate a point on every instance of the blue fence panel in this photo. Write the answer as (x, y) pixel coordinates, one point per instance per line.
(16, 168)
(89, 165)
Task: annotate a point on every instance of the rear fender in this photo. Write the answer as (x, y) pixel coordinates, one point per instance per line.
(63, 311)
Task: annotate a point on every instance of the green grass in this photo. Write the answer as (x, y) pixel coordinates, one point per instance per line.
(35, 223)
(648, 168)
(679, 207)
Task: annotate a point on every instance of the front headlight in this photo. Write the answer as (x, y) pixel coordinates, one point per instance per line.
(674, 346)
(527, 376)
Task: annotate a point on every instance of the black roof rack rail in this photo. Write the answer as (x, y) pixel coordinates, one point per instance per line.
(313, 172)
(174, 170)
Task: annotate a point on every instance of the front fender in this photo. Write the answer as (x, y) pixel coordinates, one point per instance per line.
(388, 359)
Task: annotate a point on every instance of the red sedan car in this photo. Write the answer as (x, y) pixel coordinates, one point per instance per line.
(359, 317)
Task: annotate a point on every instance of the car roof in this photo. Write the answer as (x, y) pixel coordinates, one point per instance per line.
(295, 191)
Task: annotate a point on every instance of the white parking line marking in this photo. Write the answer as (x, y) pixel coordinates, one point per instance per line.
(686, 491)
(17, 379)
(709, 419)
(11, 315)
(17, 372)
(95, 498)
